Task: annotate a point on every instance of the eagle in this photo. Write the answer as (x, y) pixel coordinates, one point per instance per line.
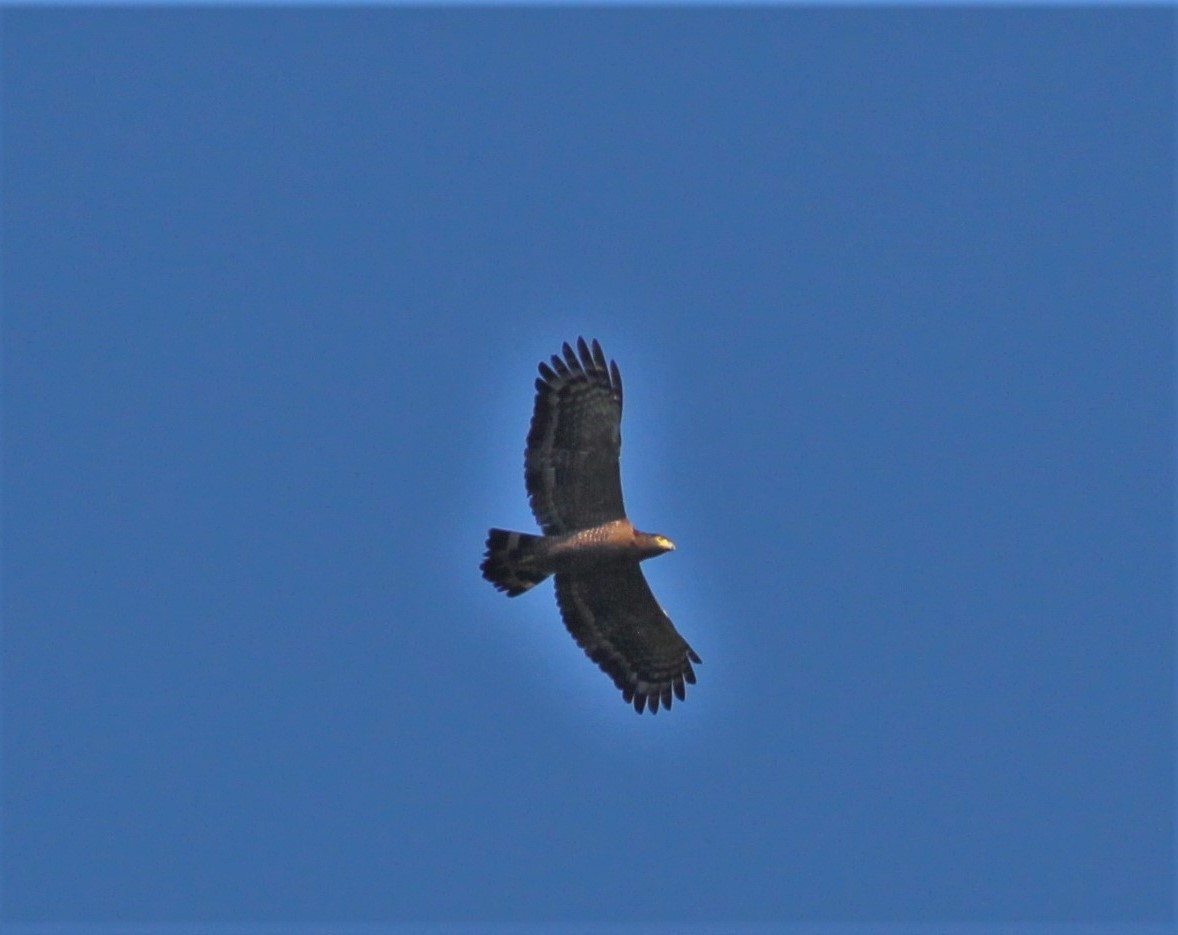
(574, 484)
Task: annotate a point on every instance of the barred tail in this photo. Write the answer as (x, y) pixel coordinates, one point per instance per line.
(511, 561)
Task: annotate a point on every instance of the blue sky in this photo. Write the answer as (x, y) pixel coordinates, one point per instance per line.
(892, 292)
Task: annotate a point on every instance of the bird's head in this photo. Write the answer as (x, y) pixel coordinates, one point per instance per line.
(650, 545)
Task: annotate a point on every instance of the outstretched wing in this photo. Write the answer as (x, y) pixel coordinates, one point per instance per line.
(574, 443)
(613, 616)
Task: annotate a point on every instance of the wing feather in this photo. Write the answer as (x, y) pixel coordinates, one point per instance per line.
(571, 465)
(613, 615)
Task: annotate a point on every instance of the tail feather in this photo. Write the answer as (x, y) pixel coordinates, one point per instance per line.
(511, 561)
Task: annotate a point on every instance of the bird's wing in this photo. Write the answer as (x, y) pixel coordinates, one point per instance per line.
(571, 464)
(614, 617)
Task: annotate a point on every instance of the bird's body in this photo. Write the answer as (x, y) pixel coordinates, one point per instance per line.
(573, 479)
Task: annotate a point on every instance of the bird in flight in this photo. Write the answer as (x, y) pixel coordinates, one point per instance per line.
(574, 484)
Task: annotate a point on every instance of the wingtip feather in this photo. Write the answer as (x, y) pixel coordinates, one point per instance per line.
(571, 359)
(599, 356)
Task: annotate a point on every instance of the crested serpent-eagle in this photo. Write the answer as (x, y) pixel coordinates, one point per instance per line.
(574, 487)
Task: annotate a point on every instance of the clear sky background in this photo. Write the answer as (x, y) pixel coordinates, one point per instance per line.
(892, 292)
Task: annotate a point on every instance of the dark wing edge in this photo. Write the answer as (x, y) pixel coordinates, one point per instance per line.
(571, 465)
(614, 617)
